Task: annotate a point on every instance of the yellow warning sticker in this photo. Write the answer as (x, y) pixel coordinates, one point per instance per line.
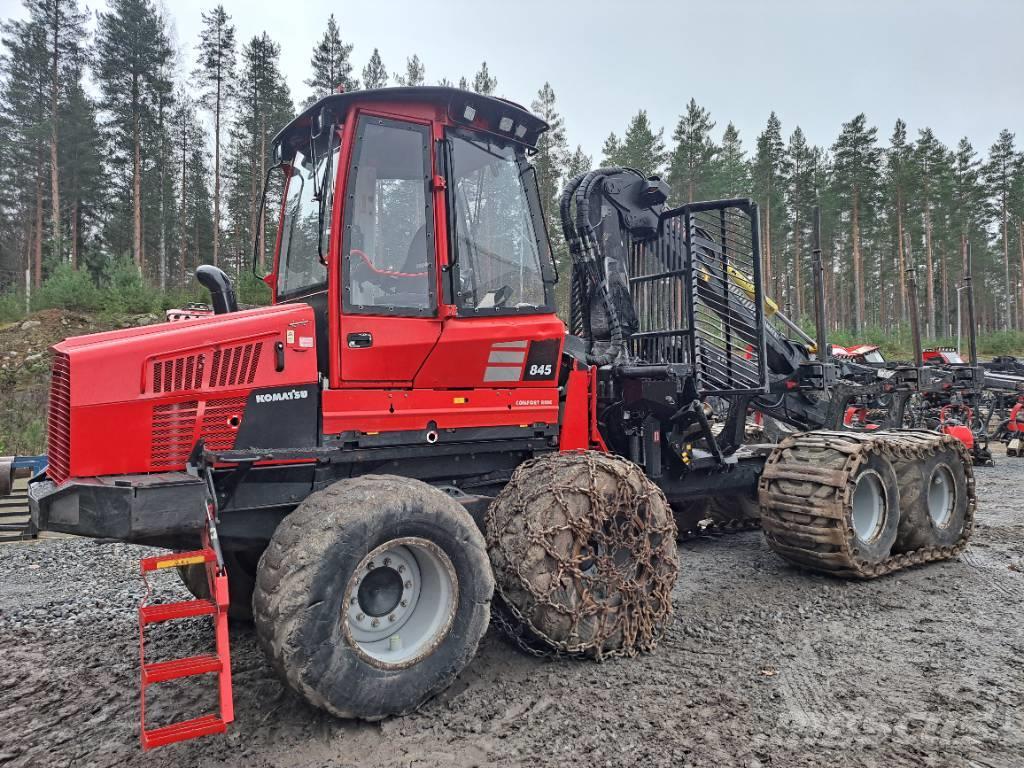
(175, 562)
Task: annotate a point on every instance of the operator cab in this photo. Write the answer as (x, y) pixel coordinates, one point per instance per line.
(411, 222)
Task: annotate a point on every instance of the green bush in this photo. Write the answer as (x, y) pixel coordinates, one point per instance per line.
(125, 292)
(12, 306)
(67, 288)
(251, 290)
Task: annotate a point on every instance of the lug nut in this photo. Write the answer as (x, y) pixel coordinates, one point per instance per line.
(360, 617)
(404, 603)
(391, 617)
(387, 561)
(370, 565)
(401, 569)
(408, 585)
(375, 623)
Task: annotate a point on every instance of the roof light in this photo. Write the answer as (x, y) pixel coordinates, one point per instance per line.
(505, 124)
(469, 114)
(520, 131)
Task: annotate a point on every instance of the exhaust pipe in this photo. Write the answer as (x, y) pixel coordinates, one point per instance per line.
(222, 295)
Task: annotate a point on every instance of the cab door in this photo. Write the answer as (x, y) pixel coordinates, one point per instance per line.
(389, 319)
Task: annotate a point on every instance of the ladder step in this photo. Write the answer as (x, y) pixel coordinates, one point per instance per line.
(172, 670)
(150, 614)
(175, 559)
(187, 729)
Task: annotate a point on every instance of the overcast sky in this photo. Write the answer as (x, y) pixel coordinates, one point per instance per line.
(957, 66)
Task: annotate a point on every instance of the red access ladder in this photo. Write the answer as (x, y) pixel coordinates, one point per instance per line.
(218, 663)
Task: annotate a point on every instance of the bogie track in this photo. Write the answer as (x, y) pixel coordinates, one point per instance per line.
(818, 509)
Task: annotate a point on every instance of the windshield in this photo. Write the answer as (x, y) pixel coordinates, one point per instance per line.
(498, 245)
(300, 268)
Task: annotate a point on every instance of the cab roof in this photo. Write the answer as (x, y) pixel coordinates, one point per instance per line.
(486, 113)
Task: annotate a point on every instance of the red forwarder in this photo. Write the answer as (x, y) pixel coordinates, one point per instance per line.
(332, 455)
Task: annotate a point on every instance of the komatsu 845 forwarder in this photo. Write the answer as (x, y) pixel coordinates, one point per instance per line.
(409, 433)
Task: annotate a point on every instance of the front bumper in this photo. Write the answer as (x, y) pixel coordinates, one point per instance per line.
(124, 507)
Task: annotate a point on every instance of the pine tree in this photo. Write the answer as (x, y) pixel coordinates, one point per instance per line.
(768, 186)
(692, 164)
(611, 151)
(641, 148)
(801, 196)
(857, 164)
(552, 149)
(998, 174)
(579, 162)
(132, 51)
(444, 82)
(83, 175)
(730, 171)
(25, 101)
(216, 73)
(65, 35)
(463, 84)
(483, 83)
(374, 73)
(415, 73)
(1016, 206)
(269, 106)
(899, 181)
(930, 169)
(331, 65)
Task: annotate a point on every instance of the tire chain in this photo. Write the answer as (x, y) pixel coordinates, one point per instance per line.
(820, 512)
(644, 610)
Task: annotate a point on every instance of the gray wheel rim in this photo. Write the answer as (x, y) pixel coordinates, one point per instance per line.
(400, 602)
(868, 513)
(941, 491)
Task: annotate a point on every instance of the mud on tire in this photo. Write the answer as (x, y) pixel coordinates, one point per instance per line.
(933, 501)
(584, 554)
(373, 596)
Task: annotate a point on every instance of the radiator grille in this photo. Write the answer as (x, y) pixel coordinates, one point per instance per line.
(59, 419)
(220, 422)
(235, 365)
(177, 427)
(172, 437)
(179, 373)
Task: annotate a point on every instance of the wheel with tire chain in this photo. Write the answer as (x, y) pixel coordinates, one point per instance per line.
(373, 595)
(584, 554)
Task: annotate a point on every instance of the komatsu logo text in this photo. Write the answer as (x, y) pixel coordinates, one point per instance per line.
(276, 397)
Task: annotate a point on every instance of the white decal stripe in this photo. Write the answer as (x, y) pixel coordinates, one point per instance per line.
(507, 357)
(501, 373)
(509, 345)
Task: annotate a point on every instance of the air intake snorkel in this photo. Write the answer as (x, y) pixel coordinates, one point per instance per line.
(222, 295)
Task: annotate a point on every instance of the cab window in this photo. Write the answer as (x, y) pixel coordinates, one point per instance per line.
(300, 269)
(501, 252)
(388, 248)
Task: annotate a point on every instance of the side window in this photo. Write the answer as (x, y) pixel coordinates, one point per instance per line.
(300, 268)
(388, 248)
(497, 229)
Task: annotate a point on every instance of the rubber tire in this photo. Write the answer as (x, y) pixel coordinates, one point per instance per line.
(241, 567)
(879, 550)
(301, 581)
(917, 529)
(688, 515)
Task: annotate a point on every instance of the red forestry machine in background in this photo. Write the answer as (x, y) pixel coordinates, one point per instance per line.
(410, 431)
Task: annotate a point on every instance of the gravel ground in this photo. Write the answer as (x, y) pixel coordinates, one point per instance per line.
(764, 666)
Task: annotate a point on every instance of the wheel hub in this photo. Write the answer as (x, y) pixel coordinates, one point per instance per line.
(400, 602)
(940, 496)
(868, 507)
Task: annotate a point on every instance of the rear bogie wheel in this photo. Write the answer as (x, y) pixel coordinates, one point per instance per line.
(933, 500)
(373, 596)
(690, 515)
